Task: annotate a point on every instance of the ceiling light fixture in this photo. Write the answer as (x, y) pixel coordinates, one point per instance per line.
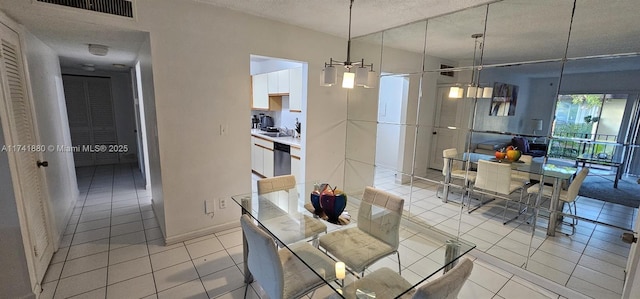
(363, 75)
(98, 50)
(473, 89)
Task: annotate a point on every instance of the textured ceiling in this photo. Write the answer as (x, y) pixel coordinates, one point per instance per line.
(332, 16)
(516, 30)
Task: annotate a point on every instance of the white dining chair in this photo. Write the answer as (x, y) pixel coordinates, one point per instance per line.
(457, 171)
(281, 273)
(277, 183)
(280, 190)
(385, 283)
(523, 176)
(376, 235)
(568, 196)
(495, 178)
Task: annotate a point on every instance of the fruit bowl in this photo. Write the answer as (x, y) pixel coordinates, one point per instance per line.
(513, 155)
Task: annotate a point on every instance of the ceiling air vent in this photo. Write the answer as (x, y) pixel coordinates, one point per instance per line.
(122, 8)
(446, 73)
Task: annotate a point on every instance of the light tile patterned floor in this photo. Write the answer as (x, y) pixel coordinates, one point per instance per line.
(113, 248)
(591, 262)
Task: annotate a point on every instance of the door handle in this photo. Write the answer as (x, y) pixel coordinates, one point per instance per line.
(434, 133)
(629, 238)
(42, 164)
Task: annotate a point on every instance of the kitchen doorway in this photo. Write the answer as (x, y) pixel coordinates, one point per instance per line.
(278, 117)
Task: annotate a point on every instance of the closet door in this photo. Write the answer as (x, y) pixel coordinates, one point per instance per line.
(17, 119)
(103, 129)
(91, 118)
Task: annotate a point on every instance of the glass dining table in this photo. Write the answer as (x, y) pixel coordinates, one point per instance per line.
(287, 216)
(558, 173)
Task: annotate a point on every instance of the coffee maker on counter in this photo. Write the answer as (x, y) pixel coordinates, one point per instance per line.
(255, 122)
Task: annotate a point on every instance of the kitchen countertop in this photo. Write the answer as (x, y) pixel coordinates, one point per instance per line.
(285, 140)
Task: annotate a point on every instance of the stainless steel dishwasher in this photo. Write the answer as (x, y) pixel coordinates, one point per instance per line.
(281, 159)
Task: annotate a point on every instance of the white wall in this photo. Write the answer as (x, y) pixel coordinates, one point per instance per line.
(53, 127)
(200, 81)
(123, 108)
(148, 105)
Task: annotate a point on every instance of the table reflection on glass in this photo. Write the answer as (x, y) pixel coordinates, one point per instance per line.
(284, 216)
(558, 173)
(602, 159)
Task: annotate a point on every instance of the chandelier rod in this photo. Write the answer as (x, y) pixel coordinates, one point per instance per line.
(348, 62)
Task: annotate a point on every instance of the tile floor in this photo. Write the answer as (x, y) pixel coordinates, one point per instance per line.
(591, 262)
(113, 248)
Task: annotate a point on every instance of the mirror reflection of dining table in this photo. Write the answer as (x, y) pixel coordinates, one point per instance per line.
(287, 215)
(541, 170)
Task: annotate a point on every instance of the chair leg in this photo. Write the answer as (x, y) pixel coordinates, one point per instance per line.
(246, 287)
(399, 265)
(520, 210)
(504, 214)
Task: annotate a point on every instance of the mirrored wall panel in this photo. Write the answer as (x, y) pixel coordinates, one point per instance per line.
(555, 79)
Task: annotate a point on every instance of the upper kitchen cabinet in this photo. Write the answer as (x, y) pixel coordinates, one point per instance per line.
(295, 90)
(268, 89)
(260, 92)
(278, 82)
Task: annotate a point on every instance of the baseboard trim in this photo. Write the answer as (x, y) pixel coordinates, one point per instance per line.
(527, 275)
(67, 217)
(201, 232)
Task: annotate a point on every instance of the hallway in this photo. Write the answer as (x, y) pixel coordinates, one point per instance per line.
(113, 248)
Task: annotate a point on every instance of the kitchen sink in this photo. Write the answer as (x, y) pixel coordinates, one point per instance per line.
(274, 134)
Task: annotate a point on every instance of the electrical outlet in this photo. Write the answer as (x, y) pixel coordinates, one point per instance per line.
(209, 206)
(223, 203)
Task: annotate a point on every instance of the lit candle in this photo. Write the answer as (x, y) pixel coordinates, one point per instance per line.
(340, 270)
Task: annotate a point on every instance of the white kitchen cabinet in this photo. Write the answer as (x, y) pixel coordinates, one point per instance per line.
(296, 167)
(260, 92)
(272, 82)
(278, 82)
(268, 162)
(283, 81)
(295, 90)
(257, 159)
(262, 156)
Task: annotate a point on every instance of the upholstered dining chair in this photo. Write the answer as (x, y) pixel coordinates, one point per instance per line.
(457, 171)
(277, 183)
(376, 235)
(280, 190)
(385, 283)
(525, 177)
(568, 196)
(496, 178)
(281, 273)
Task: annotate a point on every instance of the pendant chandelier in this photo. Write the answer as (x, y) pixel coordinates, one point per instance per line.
(473, 90)
(356, 73)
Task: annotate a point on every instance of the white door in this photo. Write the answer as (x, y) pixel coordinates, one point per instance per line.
(445, 130)
(91, 118)
(18, 125)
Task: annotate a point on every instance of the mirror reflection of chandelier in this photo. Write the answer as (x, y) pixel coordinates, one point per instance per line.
(357, 73)
(473, 90)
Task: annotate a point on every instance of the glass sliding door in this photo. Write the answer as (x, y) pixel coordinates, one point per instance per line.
(586, 123)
